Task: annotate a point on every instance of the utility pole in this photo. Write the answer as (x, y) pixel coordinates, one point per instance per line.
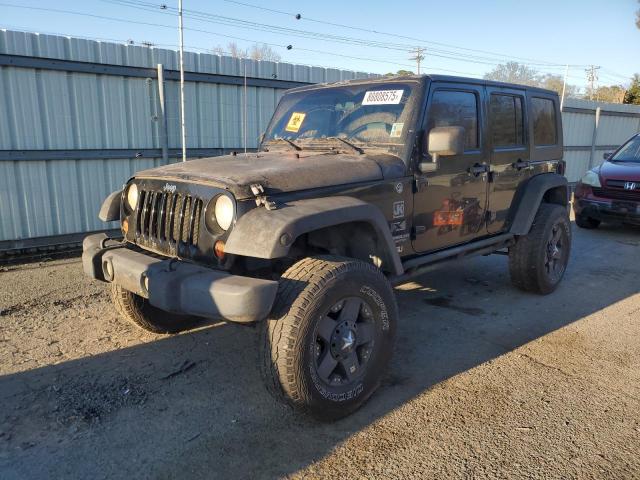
(418, 56)
(592, 78)
(244, 108)
(564, 86)
(182, 122)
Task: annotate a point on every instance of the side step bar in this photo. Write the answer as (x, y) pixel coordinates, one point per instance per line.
(418, 265)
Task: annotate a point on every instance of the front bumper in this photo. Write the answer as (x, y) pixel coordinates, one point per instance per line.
(177, 286)
(608, 210)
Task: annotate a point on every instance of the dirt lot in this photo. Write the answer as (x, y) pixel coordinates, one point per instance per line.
(486, 382)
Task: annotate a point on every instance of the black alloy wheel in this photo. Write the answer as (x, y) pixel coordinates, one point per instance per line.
(344, 342)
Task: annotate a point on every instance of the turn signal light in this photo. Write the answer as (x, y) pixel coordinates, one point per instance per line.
(218, 249)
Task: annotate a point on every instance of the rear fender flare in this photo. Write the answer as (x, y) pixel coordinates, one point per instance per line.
(529, 197)
(269, 234)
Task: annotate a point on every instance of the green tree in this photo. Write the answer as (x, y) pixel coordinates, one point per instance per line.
(256, 52)
(399, 72)
(514, 72)
(633, 92)
(555, 83)
(611, 94)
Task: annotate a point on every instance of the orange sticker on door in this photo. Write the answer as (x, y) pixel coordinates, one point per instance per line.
(295, 122)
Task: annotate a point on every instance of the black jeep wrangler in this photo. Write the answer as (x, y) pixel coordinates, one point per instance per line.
(356, 186)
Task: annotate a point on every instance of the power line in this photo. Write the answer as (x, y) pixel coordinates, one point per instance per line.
(146, 6)
(151, 7)
(322, 36)
(394, 35)
(172, 27)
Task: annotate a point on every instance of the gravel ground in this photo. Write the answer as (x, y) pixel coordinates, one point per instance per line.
(486, 382)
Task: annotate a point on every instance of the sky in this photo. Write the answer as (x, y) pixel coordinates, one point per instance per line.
(461, 37)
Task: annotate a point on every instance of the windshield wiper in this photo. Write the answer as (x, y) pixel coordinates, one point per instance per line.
(297, 148)
(347, 143)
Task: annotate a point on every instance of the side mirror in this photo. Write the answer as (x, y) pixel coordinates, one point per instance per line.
(607, 155)
(443, 141)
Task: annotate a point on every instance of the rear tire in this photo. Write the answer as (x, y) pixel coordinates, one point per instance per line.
(330, 336)
(538, 260)
(138, 310)
(587, 222)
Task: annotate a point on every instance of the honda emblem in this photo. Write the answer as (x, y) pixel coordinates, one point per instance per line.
(630, 185)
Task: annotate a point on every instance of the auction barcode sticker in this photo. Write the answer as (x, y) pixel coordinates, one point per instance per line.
(382, 97)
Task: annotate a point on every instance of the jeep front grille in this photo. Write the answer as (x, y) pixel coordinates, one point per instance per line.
(168, 222)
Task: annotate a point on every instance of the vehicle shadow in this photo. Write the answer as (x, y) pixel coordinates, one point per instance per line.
(193, 405)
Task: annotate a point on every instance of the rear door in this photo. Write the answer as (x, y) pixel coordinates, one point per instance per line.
(510, 151)
(450, 203)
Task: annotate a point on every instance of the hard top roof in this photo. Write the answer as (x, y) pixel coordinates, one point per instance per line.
(422, 78)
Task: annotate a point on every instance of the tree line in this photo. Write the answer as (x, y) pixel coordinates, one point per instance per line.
(514, 72)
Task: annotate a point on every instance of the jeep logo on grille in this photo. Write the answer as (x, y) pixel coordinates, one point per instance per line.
(169, 188)
(630, 185)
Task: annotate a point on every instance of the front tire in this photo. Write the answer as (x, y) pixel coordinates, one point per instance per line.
(330, 336)
(538, 260)
(138, 310)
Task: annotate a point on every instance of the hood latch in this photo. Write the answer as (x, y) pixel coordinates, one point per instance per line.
(261, 199)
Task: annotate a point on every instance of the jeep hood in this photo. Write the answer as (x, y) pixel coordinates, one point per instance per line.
(629, 171)
(280, 171)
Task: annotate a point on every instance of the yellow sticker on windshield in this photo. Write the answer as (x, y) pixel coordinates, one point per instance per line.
(295, 122)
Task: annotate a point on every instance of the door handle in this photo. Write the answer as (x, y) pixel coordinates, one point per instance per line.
(520, 164)
(477, 169)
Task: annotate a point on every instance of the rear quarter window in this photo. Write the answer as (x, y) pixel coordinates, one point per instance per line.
(543, 117)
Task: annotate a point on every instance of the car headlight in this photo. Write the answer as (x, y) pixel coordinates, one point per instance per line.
(221, 215)
(132, 196)
(591, 178)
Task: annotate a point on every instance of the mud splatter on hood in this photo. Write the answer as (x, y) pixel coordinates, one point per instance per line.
(281, 171)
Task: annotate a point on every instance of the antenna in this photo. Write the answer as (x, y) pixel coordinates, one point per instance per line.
(182, 122)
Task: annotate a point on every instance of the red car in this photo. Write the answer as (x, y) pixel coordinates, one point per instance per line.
(611, 191)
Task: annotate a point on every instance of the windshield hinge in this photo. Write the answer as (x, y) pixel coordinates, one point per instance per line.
(261, 199)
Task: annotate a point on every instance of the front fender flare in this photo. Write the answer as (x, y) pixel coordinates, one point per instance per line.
(110, 209)
(263, 233)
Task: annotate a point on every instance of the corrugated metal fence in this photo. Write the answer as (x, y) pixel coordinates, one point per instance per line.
(78, 117)
(593, 128)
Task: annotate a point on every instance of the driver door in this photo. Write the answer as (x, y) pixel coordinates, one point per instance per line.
(450, 202)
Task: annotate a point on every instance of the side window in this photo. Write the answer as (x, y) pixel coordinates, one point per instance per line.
(543, 116)
(507, 121)
(455, 109)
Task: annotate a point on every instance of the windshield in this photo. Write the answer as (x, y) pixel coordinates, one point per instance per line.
(347, 117)
(630, 152)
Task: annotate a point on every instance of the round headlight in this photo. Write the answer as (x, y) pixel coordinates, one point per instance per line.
(132, 196)
(224, 212)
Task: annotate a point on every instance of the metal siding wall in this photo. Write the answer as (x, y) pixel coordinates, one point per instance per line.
(578, 132)
(54, 110)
